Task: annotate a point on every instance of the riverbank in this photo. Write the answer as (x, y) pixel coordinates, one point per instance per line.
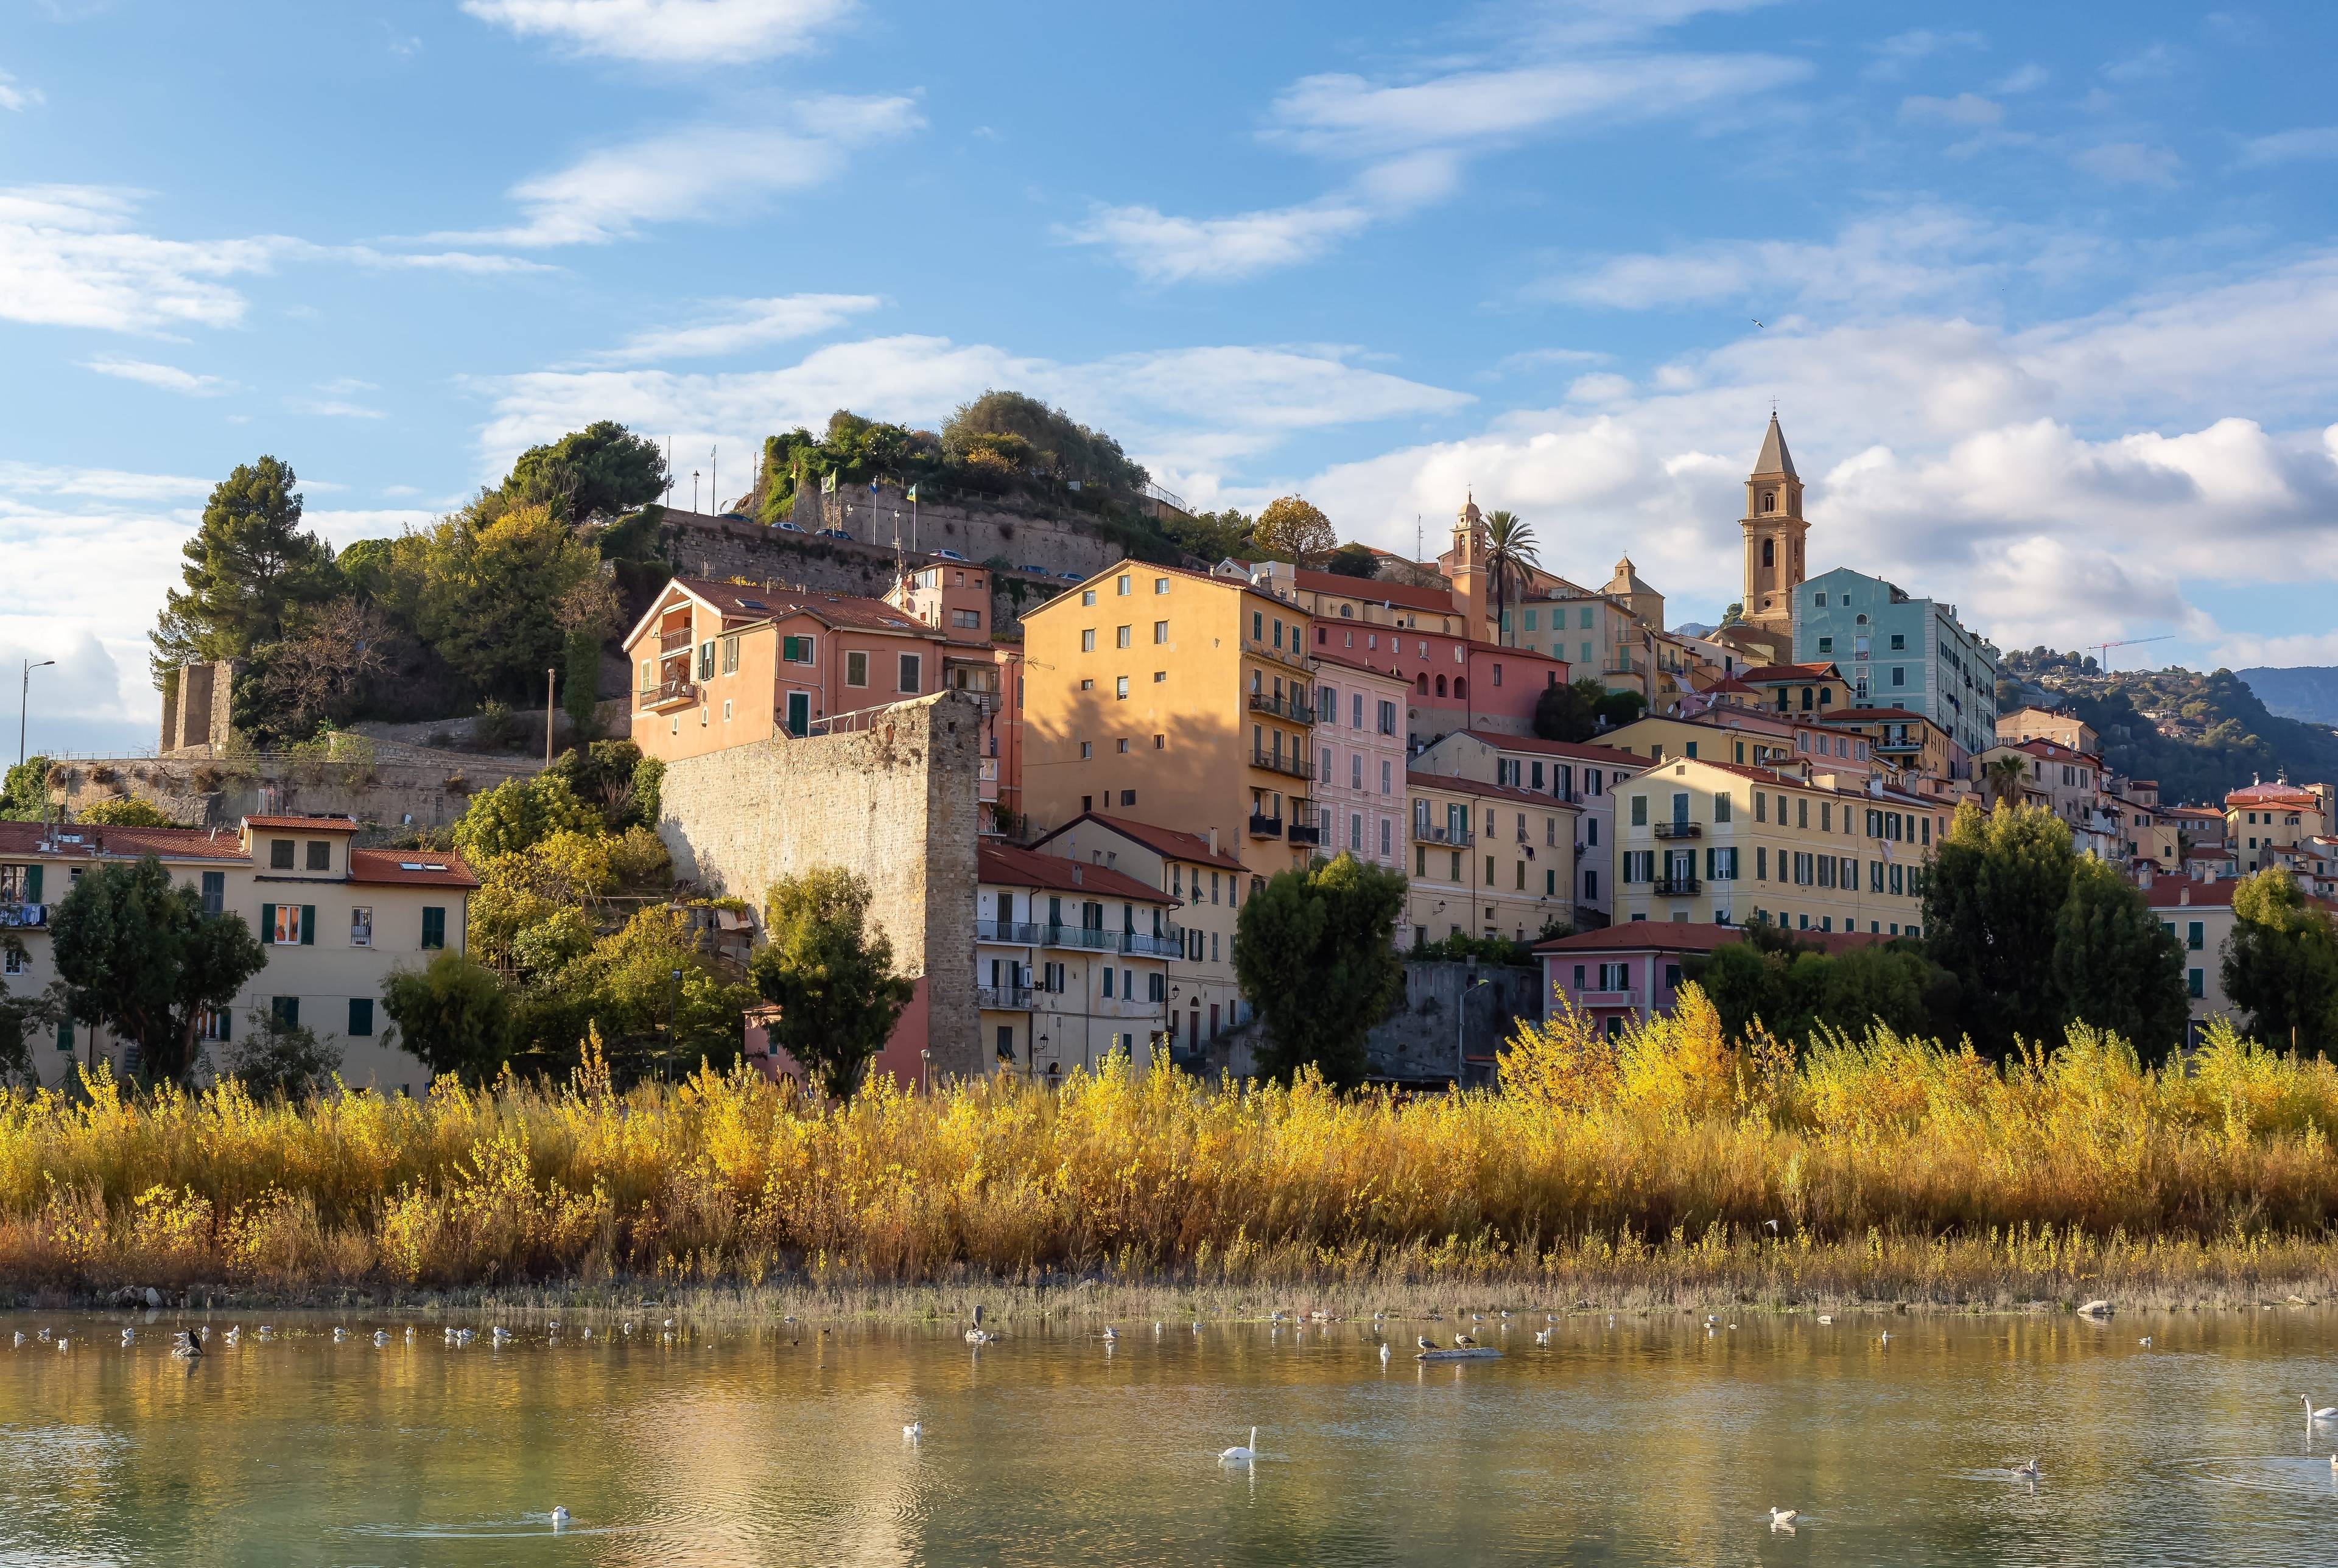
(1673, 1168)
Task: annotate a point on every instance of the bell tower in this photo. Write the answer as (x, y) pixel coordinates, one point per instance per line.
(1466, 573)
(1773, 529)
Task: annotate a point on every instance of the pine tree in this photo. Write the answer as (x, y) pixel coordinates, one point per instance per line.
(248, 566)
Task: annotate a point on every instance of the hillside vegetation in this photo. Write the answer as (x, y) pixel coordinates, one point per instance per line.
(2198, 735)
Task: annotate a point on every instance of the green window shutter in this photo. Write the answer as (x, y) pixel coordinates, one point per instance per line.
(226, 1023)
(268, 925)
(33, 883)
(65, 1030)
(360, 1016)
(308, 925)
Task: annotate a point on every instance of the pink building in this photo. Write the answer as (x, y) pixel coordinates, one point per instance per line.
(1617, 974)
(1360, 758)
(954, 599)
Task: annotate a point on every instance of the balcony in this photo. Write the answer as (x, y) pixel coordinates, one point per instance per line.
(1306, 833)
(1676, 886)
(1630, 998)
(1442, 833)
(1291, 708)
(674, 641)
(15, 917)
(1680, 830)
(1265, 827)
(1293, 766)
(1288, 656)
(669, 695)
(1014, 998)
(1901, 748)
(1095, 938)
(1146, 945)
(1017, 932)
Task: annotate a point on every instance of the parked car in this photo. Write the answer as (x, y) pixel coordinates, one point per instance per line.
(1071, 577)
(790, 528)
(834, 534)
(948, 555)
(1034, 571)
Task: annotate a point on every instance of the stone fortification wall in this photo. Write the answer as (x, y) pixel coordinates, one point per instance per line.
(1414, 1043)
(895, 801)
(400, 787)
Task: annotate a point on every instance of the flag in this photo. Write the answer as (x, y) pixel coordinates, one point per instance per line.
(872, 486)
(828, 483)
(913, 492)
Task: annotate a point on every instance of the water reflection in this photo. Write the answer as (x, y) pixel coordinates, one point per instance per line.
(1632, 1439)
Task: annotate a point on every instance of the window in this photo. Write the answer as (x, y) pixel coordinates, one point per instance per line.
(1087, 750)
(731, 654)
(1899, 675)
(1385, 777)
(795, 650)
(1119, 688)
(1161, 585)
(1087, 596)
(1121, 745)
(285, 1010)
(1128, 797)
(855, 669)
(319, 855)
(362, 926)
(280, 854)
(1087, 640)
(2196, 937)
(967, 619)
(434, 926)
(1898, 641)
(1161, 631)
(1120, 584)
(913, 672)
(1639, 810)
(2195, 983)
(1826, 644)
(706, 659)
(1591, 885)
(288, 924)
(214, 892)
(360, 1017)
(1120, 637)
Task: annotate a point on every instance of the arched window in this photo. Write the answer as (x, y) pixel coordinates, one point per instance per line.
(1862, 619)
(1769, 500)
(1441, 685)
(1420, 685)
(1769, 551)
(1460, 687)
(1347, 612)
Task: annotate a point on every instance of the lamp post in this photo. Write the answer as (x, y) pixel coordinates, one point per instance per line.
(673, 1007)
(23, 703)
(1461, 1023)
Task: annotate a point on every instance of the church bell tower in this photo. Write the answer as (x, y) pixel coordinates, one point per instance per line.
(1773, 529)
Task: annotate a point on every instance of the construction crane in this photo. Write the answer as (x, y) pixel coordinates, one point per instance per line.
(2103, 650)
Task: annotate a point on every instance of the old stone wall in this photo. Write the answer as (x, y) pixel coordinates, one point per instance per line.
(400, 787)
(895, 801)
(1416, 1043)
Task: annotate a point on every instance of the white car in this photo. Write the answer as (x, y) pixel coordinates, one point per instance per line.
(948, 555)
(790, 528)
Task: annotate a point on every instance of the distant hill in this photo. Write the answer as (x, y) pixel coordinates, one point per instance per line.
(2309, 692)
(2196, 735)
(1693, 628)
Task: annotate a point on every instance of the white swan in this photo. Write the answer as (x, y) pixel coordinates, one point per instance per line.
(1242, 1453)
(1110, 1333)
(2327, 1413)
(1782, 1517)
(1384, 1355)
(559, 1517)
(380, 1338)
(1542, 1336)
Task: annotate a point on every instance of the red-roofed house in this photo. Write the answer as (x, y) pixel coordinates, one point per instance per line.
(332, 920)
(1619, 974)
(2199, 915)
(2262, 818)
(1071, 962)
(1579, 774)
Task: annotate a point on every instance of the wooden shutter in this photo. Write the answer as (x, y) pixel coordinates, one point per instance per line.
(308, 925)
(33, 883)
(268, 925)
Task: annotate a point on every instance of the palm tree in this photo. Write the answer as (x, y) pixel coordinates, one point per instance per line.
(2003, 779)
(1510, 552)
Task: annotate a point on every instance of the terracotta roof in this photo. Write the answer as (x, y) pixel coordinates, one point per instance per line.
(1488, 792)
(2271, 795)
(1777, 780)
(1773, 673)
(2036, 747)
(1166, 842)
(2207, 853)
(304, 824)
(1440, 600)
(1579, 751)
(1686, 936)
(998, 863)
(2174, 892)
(410, 868)
(747, 603)
(26, 838)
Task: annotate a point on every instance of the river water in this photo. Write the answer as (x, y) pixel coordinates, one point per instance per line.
(1640, 1440)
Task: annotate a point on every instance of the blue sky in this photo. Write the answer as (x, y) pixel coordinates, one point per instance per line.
(2047, 296)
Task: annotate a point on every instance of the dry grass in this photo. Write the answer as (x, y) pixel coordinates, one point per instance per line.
(1642, 1172)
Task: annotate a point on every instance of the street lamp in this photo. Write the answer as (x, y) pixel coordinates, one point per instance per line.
(1461, 1022)
(672, 1006)
(23, 703)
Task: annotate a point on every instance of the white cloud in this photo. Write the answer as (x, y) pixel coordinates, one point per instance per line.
(1968, 110)
(695, 172)
(2129, 163)
(333, 409)
(2144, 66)
(2026, 78)
(669, 32)
(168, 378)
(70, 258)
(1894, 55)
(739, 324)
(20, 479)
(1162, 248)
(17, 98)
(343, 527)
(2292, 146)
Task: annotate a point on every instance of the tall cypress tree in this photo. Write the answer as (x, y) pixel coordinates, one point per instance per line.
(247, 567)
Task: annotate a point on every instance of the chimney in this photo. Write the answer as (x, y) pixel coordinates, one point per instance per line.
(1213, 841)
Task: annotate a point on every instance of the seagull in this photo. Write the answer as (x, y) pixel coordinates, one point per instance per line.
(188, 1346)
(499, 1335)
(1156, 1331)
(42, 1336)
(1757, 323)
(974, 1336)
(63, 1345)
(1542, 1336)
(1110, 1334)
(1197, 1325)
(1463, 1342)
(2026, 1468)
(1782, 1517)
(236, 1333)
(1426, 1343)
(1826, 1317)
(913, 1431)
(20, 1337)
(1772, 1224)
(130, 1336)
(409, 1335)
(380, 1338)
(2145, 1341)
(559, 1517)
(1884, 1338)
(1242, 1453)
(1384, 1355)
(2327, 1413)
(339, 1335)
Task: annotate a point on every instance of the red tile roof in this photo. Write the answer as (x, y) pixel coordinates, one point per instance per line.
(304, 824)
(1352, 661)
(998, 863)
(410, 868)
(1772, 674)
(1166, 842)
(1686, 936)
(748, 604)
(1488, 792)
(2271, 795)
(1439, 599)
(1872, 715)
(2036, 747)
(1579, 751)
(34, 839)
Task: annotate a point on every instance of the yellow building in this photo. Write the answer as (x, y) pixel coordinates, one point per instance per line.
(1175, 698)
(1488, 860)
(1719, 735)
(1717, 843)
(2260, 818)
(1900, 736)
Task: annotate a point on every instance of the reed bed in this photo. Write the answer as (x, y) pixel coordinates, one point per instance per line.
(1668, 1166)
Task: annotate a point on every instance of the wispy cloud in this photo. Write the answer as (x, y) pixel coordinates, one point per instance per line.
(2292, 146)
(1893, 55)
(1969, 111)
(168, 378)
(16, 97)
(737, 326)
(695, 172)
(2129, 163)
(2023, 79)
(2147, 64)
(669, 32)
(1163, 248)
(333, 409)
